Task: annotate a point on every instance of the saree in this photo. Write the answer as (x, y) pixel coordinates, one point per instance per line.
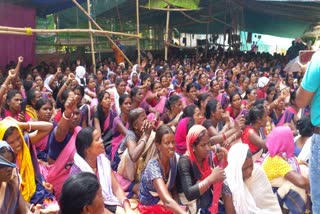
(180, 136)
(57, 173)
(104, 170)
(24, 162)
(31, 112)
(286, 117)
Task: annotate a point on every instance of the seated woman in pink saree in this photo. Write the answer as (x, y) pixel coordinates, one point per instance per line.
(103, 120)
(120, 123)
(191, 95)
(157, 97)
(191, 116)
(62, 144)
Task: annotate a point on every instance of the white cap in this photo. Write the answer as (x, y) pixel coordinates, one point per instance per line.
(263, 81)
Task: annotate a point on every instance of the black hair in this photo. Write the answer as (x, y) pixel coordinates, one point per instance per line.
(202, 97)
(10, 95)
(162, 130)
(91, 76)
(78, 191)
(226, 85)
(305, 126)
(211, 107)
(259, 101)
(144, 76)
(255, 113)
(171, 101)
(9, 132)
(153, 84)
(41, 102)
(101, 114)
(234, 94)
(189, 86)
(84, 140)
(189, 111)
(292, 97)
(27, 85)
(134, 92)
(118, 81)
(31, 95)
(122, 98)
(249, 90)
(80, 88)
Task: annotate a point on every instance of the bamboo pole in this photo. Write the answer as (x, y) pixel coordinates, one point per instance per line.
(138, 31)
(98, 26)
(167, 35)
(23, 31)
(91, 40)
(168, 9)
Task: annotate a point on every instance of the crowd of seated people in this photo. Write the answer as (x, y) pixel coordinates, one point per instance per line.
(220, 134)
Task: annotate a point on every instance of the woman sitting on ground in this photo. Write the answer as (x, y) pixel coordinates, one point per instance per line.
(82, 194)
(288, 179)
(158, 179)
(11, 200)
(90, 157)
(133, 147)
(196, 174)
(251, 191)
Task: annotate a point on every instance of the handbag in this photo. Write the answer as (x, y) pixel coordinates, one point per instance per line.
(127, 168)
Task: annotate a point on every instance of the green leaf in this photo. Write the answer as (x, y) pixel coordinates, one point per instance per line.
(156, 4)
(188, 4)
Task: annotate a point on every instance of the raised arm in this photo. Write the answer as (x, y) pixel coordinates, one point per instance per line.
(64, 123)
(4, 87)
(65, 85)
(135, 149)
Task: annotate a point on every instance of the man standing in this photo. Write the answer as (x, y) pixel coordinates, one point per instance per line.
(309, 93)
(118, 55)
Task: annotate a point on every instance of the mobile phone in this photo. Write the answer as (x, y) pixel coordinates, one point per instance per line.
(305, 56)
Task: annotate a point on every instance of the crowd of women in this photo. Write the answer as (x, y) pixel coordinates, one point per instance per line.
(216, 135)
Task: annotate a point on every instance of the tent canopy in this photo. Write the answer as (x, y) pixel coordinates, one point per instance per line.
(284, 19)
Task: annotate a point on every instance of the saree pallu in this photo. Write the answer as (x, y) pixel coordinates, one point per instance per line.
(57, 173)
(286, 117)
(24, 161)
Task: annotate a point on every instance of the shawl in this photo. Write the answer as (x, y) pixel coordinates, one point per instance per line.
(242, 199)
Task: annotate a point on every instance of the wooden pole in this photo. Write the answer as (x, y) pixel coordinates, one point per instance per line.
(91, 40)
(138, 31)
(98, 26)
(166, 35)
(23, 31)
